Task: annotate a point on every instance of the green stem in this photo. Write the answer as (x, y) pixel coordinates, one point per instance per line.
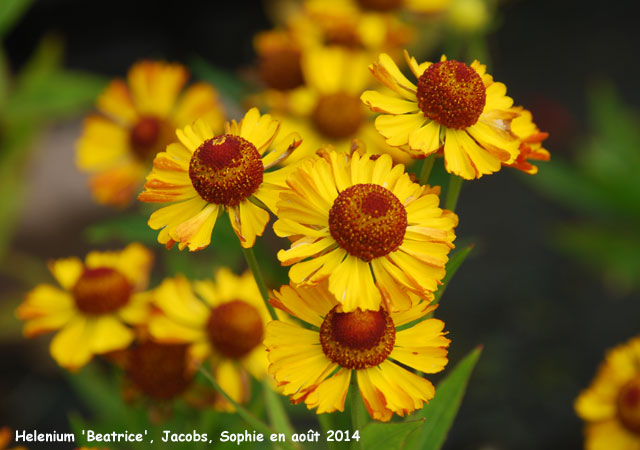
(358, 418)
(453, 192)
(257, 274)
(425, 171)
(258, 424)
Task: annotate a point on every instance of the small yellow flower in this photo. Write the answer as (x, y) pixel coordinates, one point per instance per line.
(315, 364)
(137, 120)
(226, 326)
(97, 299)
(454, 107)
(364, 225)
(205, 174)
(530, 142)
(611, 405)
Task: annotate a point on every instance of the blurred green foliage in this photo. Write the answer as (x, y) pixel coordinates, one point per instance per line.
(603, 187)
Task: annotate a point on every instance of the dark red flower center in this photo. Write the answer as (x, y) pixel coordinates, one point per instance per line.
(281, 69)
(452, 94)
(235, 328)
(338, 116)
(226, 170)
(101, 290)
(149, 136)
(380, 5)
(357, 339)
(368, 221)
(629, 405)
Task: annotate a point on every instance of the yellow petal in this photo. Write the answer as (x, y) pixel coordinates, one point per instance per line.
(426, 139)
(381, 103)
(116, 103)
(155, 86)
(398, 128)
(330, 395)
(352, 284)
(109, 334)
(455, 157)
(252, 223)
(71, 346)
(66, 271)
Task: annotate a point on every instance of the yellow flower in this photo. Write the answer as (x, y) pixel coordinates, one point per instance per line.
(226, 326)
(137, 120)
(6, 436)
(611, 405)
(454, 106)
(315, 365)
(96, 300)
(364, 225)
(327, 110)
(530, 142)
(205, 174)
(279, 56)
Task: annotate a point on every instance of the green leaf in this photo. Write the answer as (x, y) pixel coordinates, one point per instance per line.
(10, 13)
(454, 263)
(388, 436)
(124, 228)
(229, 84)
(442, 410)
(275, 410)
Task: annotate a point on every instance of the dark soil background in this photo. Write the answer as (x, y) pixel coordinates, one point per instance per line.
(544, 321)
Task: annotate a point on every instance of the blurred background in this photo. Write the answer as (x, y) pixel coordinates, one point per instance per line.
(554, 278)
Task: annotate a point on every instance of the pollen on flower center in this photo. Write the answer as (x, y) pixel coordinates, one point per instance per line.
(159, 370)
(380, 5)
(452, 94)
(368, 221)
(338, 116)
(101, 290)
(148, 137)
(358, 339)
(226, 170)
(235, 328)
(628, 404)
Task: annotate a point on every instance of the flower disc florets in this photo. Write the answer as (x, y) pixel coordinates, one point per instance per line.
(226, 170)
(452, 94)
(159, 370)
(101, 290)
(358, 339)
(380, 5)
(628, 404)
(235, 328)
(338, 115)
(368, 221)
(148, 136)
(280, 69)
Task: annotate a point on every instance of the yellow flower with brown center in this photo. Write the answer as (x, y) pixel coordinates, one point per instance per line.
(223, 323)
(327, 110)
(454, 107)
(611, 405)
(205, 174)
(137, 120)
(91, 311)
(315, 364)
(363, 224)
(530, 142)
(279, 56)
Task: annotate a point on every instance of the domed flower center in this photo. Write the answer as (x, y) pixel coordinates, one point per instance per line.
(452, 94)
(226, 170)
(344, 35)
(235, 328)
(380, 5)
(629, 405)
(280, 69)
(149, 136)
(368, 221)
(159, 370)
(358, 339)
(338, 116)
(101, 290)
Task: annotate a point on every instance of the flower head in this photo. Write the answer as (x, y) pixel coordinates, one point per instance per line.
(531, 139)
(91, 311)
(315, 364)
(222, 322)
(611, 405)
(205, 174)
(454, 107)
(363, 224)
(137, 120)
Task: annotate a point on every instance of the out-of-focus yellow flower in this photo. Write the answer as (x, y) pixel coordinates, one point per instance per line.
(352, 218)
(455, 107)
(224, 322)
(316, 365)
(97, 300)
(468, 16)
(138, 119)
(611, 405)
(205, 174)
(327, 110)
(6, 438)
(530, 142)
(279, 56)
